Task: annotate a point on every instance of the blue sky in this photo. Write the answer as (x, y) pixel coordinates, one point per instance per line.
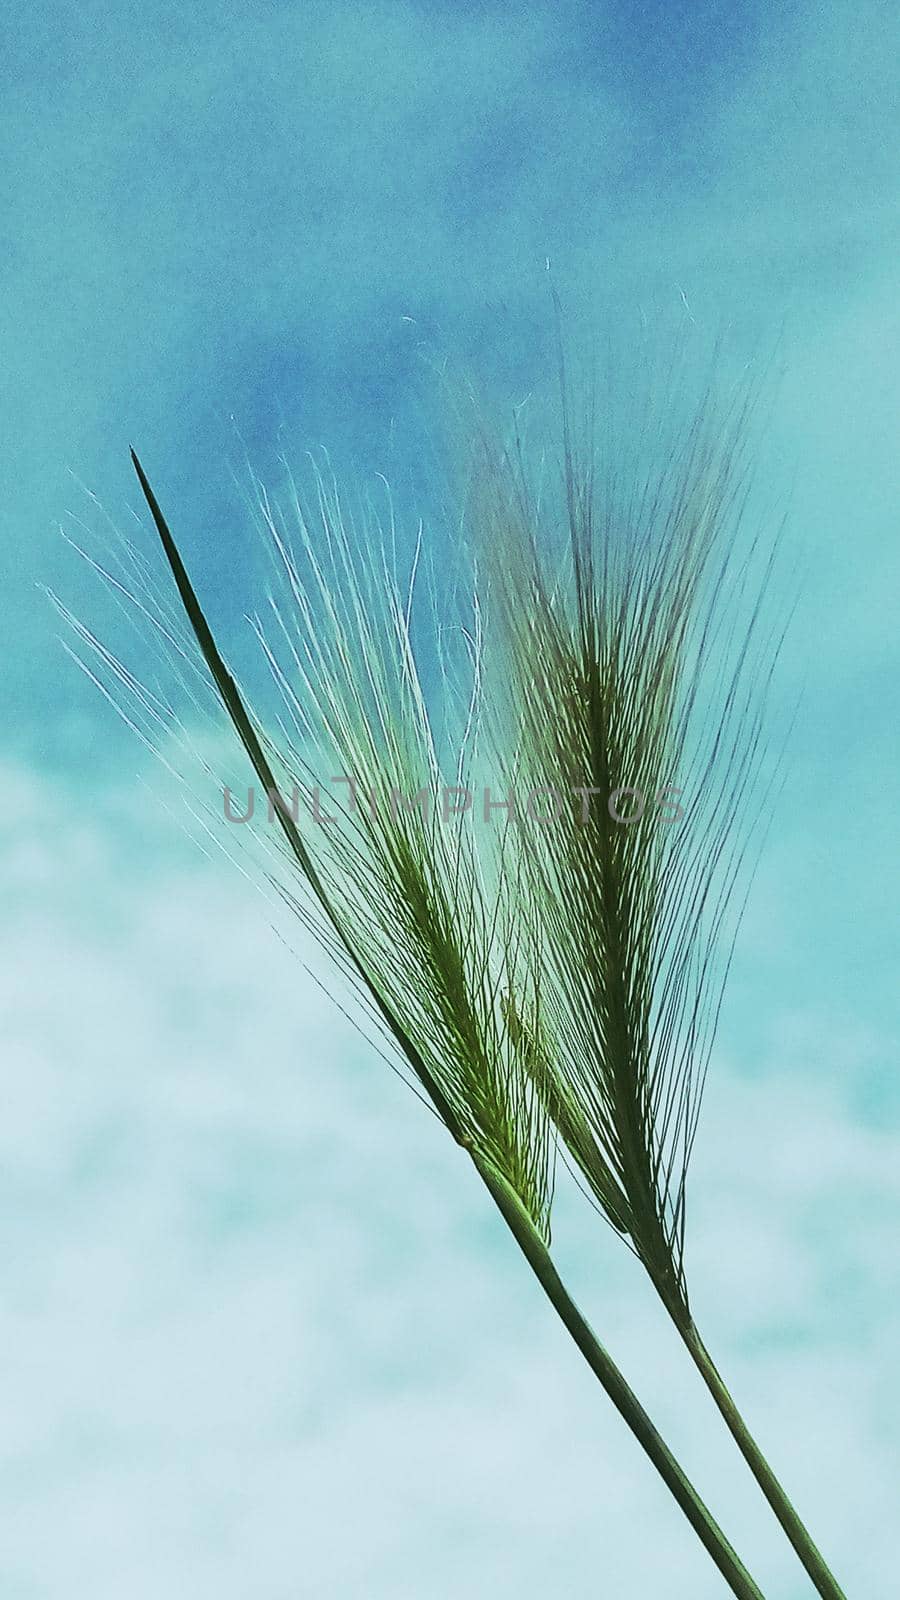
(220, 223)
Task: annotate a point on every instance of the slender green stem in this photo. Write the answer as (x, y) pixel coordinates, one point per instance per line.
(811, 1557)
(626, 1402)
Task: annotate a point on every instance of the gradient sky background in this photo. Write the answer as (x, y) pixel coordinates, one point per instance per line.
(259, 1334)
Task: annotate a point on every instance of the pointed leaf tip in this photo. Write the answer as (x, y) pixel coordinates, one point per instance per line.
(142, 476)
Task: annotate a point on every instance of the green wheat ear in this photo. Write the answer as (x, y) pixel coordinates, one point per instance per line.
(442, 943)
(621, 662)
(406, 909)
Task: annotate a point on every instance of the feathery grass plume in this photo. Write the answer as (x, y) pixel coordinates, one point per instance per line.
(437, 940)
(632, 662)
(441, 942)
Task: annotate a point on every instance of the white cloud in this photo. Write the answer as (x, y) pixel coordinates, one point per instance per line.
(262, 1332)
